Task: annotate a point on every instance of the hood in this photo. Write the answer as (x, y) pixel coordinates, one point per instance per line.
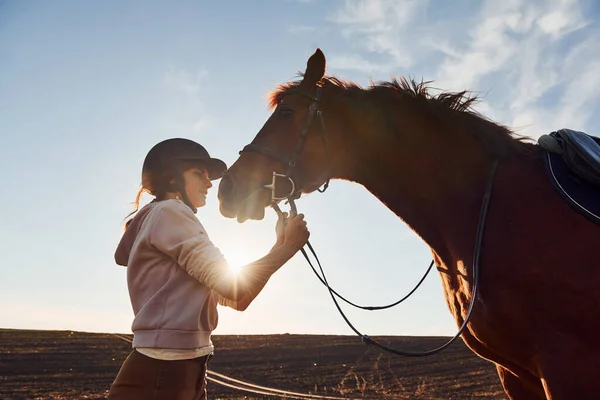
(131, 233)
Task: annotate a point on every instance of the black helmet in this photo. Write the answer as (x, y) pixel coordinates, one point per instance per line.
(165, 154)
(162, 172)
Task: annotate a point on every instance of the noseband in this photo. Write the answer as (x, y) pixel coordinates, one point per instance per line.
(291, 161)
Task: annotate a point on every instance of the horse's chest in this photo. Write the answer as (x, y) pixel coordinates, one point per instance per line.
(496, 330)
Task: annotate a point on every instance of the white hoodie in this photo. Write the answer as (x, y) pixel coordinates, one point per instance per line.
(171, 263)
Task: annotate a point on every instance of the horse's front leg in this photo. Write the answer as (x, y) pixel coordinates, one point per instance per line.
(522, 387)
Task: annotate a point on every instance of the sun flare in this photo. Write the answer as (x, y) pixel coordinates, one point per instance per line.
(236, 264)
(235, 269)
(242, 244)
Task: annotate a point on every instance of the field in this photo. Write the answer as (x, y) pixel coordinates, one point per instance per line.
(75, 365)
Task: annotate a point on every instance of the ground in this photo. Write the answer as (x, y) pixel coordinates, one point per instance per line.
(75, 365)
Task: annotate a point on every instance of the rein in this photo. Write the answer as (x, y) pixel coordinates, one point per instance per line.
(476, 267)
(294, 194)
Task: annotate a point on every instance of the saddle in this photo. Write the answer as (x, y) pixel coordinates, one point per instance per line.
(572, 161)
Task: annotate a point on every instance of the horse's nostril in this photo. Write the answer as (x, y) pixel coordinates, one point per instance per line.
(226, 186)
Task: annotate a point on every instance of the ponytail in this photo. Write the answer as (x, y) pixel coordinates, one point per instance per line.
(136, 205)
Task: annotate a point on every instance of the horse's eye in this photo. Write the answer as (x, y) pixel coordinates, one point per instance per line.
(286, 112)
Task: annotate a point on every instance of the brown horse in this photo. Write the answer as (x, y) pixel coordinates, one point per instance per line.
(428, 158)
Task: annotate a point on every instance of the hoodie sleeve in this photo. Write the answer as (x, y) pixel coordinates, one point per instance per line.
(177, 233)
(224, 301)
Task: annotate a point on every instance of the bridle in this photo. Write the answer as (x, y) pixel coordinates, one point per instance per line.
(291, 163)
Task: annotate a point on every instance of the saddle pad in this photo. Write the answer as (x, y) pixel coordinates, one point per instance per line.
(579, 194)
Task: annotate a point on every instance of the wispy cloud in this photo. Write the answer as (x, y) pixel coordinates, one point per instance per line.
(180, 80)
(184, 111)
(356, 62)
(378, 25)
(534, 61)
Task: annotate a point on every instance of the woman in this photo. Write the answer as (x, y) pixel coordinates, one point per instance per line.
(176, 276)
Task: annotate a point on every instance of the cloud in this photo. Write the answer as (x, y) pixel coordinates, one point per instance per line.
(355, 62)
(533, 61)
(566, 18)
(183, 111)
(379, 26)
(182, 81)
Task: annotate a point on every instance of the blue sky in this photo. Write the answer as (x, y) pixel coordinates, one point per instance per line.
(86, 88)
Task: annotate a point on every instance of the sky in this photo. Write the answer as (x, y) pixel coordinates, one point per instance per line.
(87, 88)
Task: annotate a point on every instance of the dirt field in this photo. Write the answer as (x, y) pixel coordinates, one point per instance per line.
(75, 365)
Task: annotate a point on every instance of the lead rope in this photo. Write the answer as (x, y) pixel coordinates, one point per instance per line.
(324, 282)
(476, 257)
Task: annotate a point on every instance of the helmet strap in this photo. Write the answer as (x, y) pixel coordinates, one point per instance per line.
(180, 186)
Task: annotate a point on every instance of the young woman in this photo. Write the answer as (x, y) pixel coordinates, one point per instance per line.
(176, 276)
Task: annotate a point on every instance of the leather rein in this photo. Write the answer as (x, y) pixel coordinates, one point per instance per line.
(294, 193)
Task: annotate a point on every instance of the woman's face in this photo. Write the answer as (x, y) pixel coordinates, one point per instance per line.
(197, 184)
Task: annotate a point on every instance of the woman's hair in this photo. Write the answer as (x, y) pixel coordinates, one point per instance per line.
(158, 184)
(136, 205)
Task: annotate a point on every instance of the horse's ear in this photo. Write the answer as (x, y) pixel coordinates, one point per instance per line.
(315, 68)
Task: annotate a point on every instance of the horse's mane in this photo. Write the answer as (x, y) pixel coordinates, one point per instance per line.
(454, 107)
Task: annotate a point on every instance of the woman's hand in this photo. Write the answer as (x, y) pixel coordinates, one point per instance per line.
(296, 233)
(280, 227)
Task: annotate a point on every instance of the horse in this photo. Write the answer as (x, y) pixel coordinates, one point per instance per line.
(429, 159)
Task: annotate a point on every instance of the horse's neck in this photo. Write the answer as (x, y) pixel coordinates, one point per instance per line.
(435, 188)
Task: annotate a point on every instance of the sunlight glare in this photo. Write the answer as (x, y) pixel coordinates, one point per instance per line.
(236, 263)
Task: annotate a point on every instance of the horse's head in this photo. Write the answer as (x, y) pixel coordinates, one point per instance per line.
(287, 157)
